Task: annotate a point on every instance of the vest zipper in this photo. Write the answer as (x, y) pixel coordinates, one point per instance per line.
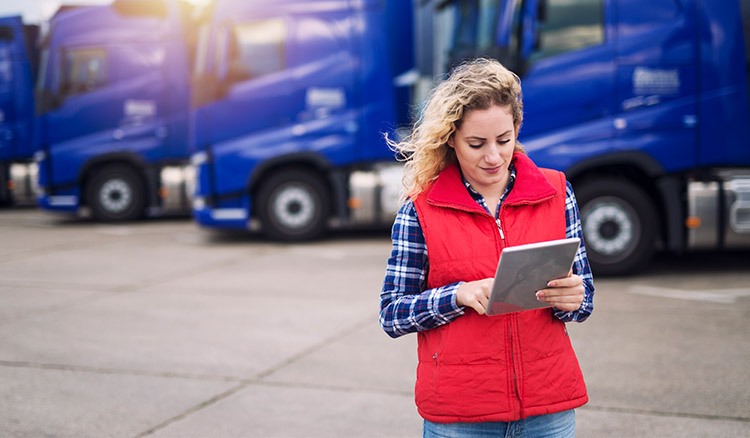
(500, 227)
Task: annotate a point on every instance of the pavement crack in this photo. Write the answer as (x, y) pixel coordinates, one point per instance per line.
(94, 296)
(337, 388)
(348, 331)
(665, 414)
(194, 409)
(118, 371)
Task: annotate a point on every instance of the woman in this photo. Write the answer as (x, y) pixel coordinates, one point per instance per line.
(471, 192)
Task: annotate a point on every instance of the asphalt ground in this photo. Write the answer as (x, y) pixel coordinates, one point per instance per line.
(160, 328)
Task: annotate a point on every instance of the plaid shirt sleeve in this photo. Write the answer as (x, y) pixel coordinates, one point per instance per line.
(405, 306)
(580, 263)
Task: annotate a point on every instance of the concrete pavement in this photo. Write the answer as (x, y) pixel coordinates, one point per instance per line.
(161, 329)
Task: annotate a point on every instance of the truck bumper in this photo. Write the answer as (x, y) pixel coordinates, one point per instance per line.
(223, 218)
(61, 203)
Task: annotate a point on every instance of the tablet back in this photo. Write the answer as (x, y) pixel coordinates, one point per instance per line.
(524, 269)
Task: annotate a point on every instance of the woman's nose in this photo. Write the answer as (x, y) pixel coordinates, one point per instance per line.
(492, 155)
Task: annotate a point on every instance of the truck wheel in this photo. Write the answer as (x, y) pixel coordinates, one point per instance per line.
(116, 193)
(619, 226)
(293, 205)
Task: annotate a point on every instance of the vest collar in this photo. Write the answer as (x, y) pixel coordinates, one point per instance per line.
(531, 187)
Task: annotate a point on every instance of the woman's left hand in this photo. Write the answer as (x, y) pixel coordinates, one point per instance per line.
(563, 293)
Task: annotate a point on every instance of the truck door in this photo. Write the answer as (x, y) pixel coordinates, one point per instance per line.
(567, 70)
(254, 88)
(282, 81)
(80, 112)
(563, 50)
(139, 70)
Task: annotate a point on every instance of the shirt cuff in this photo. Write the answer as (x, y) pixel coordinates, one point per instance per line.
(445, 297)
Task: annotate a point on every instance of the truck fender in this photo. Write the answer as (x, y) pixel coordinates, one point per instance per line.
(644, 162)
(304, 159)
(335, 178)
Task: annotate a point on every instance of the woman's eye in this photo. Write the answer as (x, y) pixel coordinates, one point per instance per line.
(475, 146)
(504, 141)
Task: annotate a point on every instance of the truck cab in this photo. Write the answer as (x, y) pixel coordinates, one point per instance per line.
(18, 62)
(290, 102)
(643, 104)
(112, 109)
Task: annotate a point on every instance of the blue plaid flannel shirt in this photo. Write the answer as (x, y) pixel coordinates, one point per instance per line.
(405, 305)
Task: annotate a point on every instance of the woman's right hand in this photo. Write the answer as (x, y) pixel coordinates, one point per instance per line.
(475, 294)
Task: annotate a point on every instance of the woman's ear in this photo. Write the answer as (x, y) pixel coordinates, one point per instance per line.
(450, 142)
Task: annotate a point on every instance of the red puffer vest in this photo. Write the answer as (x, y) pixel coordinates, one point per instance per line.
(499, 368)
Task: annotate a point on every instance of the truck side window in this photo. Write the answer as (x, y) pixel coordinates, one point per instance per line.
(257, 49)
(566, 25)
(84, 70)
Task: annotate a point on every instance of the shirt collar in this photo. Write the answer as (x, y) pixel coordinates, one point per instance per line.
(480, 199)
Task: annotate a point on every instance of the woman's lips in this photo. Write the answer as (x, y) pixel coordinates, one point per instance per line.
(492, 170)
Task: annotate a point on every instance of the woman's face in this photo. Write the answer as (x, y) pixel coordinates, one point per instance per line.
(484, 147)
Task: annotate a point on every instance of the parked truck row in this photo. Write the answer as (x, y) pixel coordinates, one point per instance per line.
(272, 114)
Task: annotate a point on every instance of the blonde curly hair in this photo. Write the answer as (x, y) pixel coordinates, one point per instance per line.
(474, 85)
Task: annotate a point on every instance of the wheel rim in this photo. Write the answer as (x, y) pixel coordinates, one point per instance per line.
(611, 228)
(115, 195)
(294, 207)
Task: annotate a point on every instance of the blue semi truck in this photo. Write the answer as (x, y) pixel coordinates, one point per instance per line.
(291, 100)
(643, 104)
(112, 110)
(18, 63)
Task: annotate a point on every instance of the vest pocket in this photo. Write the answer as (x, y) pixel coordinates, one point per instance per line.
(463, 369)
(473, 390)
(553, 380)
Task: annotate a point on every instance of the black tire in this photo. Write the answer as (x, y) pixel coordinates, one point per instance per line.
(619, 225)
(293, 204)
(116, 193)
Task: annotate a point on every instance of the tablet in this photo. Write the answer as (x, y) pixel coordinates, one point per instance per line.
(524, 269)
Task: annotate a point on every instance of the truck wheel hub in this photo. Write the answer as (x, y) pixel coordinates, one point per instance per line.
(294, 207)
(115, 195)
(609, 229)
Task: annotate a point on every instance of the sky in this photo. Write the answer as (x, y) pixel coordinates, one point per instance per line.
(36, 11)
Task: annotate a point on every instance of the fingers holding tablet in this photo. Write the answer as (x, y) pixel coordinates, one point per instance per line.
(564, 293)
(475, 294)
